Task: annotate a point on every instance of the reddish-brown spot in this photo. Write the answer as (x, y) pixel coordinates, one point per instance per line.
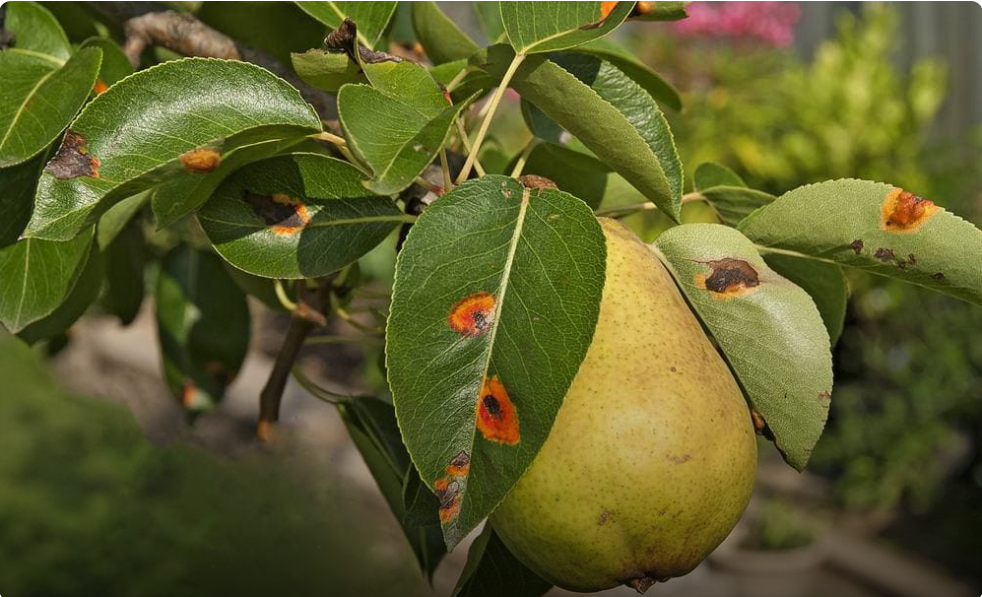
(472, 315)
(857, 246)
(497, 418)
(72, 159)
(284, 214)
(100, 87)
(534, 181)
(884, 254)
(730, 278)
(758, 420)
(459, 465)
(903, 211)
(448, 492)
(188, 394)
(201, 160)
(446, 94)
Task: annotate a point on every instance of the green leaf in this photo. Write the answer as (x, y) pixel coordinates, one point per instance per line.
(84, 292)
(534, 27)
(440, 37)
(489, 19)
(326, 71)
(660, 11)
(112, 222)
(824, 282)
(711, 174)
(203, 326)
(170, 121)
(733, 204)
(37, 275)
(296, 216)
(769, 330)
(492, 571)
(373, 428)
(496, 297)
(277, 28)
(572, 171)
(38, 100)
(660, 89)
(613, 117)
(36, 32)
(124, 265)
(851, 222)
(17, 197)
(371, 17)
(115, 65)
(398, 126)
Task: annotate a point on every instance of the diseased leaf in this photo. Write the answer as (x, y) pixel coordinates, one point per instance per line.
(769, 330)
(878, 228)
(371, 17)
(572, 171)
(17, 185)
(711, 174)
(660, 89)
(326, 71)
(496, 297)
(38, 99)
(37, 275)
(203, 326)
(492, 571)
(398, 125)
(613, 117)
(732, 204)
(440, 36)
(174, 120)
(823, 281)
(296, 216)
(373, 428)
(534, 27)
(115, 65)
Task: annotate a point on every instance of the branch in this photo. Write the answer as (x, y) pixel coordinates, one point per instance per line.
(180, 32)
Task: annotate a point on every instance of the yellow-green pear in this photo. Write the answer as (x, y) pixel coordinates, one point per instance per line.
(653, 455)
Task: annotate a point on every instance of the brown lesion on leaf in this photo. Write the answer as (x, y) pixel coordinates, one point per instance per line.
(473, 314)
(856, 246)
(201, 160)
(534, 181)
(460, 465)
(73, 159)
(497, 418)
(884, 254)
(730, 278)
(905, 212)
(282, 213)
(345, 39)
(448, 491)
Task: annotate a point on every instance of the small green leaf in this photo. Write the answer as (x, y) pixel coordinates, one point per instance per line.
(711, 174)
(203, 326)
(326, 71)
(497, 294)
(572, 171)
(534, 27)
(661, 11)
(398, 126)
(660, 89)
(371, 17)
(17, 186)
(733, 204)
(440, 37)
(125, 259)
(824, 282)
(38, 100)
(769, 330)
(877, 228)
(611, 114)
(37, 275)
(115, 65)
(296, 216)
(492, 571)
(174, 120)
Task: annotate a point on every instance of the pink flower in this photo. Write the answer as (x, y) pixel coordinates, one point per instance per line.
(769, 22)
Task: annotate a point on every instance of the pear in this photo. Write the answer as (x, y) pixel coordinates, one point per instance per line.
(652, 457)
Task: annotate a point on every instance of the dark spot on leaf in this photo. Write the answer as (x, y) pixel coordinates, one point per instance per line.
(911, 259)
(201, 160)
(282, 213)
(903, 211)
(884, 254)
(448, 492)
(731, 276)
(534, 181)
(72, 159)
(938, 276)
(497, 418)
(857, 246)
(472, 315)
(459, 465)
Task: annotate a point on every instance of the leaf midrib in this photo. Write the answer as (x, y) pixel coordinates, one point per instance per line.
(23, 105)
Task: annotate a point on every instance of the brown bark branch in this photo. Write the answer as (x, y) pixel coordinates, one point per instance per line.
(180, 32)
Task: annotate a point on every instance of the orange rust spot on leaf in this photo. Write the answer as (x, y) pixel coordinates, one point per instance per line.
(100, 87)
(72, 159)
(201, 160)
(903, 211)
(497, 418)
(606, 8)
(282, 213)
(449, 493)
(730, 278)
(459, 465)
(472, 315)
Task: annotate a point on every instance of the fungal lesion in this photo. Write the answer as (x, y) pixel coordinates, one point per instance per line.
(730, 278)
(285, 215)
(201, 160)
(905, 212)
(73, 159)
(497, 417)
(472, 315)
(449, 489)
